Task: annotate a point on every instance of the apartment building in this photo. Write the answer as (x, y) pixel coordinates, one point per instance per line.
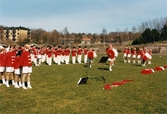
(17, 34)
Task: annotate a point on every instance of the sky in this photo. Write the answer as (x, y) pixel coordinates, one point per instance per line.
(80, 16)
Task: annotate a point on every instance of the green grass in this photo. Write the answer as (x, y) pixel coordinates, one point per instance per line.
(55, 90)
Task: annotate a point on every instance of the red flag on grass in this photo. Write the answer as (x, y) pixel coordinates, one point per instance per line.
(127, 81)
(107, 87)
(116, 84)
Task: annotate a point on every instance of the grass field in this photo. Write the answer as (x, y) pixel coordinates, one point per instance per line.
(55, 90)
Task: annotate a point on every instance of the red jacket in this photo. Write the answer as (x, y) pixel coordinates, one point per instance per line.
(16, 62)
(2, 59)
(85, 51)
(59, 52)
(55, 52)
(125, 50)
(79, 52)
(128, 51)
(10, 58)
(134, 52)
(73, 52)
(67, 52)
(90, 55)
(110, 53)
(49, 53)
(25, 59)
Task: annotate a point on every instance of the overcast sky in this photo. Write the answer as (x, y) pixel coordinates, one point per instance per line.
(80, 16)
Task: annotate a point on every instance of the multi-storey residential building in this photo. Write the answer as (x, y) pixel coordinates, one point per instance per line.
(17, 34)
(1, 32)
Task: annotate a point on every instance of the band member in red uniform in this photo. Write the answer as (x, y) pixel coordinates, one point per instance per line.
(62, 55)
(115, 54)
(59, 52)
(32, 48)
(49, 55)
(35, 50)
(150, 52)
(17, 68)
(128, 54)
(46, 52)
(145, 56)
(139, 55)
(39, 56)
(85, 54)
(2, 64)
(125, 54)
(55, 55)
(9, 60)
(91, 56)
(67, 54)
(145, 49)
(73, 51)
(25, 62)
(134, 53)
(79, 54)
(111, 56)
(43, 54)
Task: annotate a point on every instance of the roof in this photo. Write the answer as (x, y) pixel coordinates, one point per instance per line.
(20, 27)
(86, 39)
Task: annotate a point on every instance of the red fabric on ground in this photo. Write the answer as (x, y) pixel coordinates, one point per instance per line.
(159, 68)
(147, 71)
(165, 66)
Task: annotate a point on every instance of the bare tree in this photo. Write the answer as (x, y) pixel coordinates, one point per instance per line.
(36, 35)
(156, 24)
(65, 34)
(55, 36)
(134, 29)
(142, 28)
(104, 32)
(150, 25)
(1, 33)
(46, 37)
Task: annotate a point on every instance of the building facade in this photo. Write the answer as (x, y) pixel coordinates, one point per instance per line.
(86, 40)
(17, 34)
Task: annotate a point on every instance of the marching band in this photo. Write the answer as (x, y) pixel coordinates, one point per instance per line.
(16, 62)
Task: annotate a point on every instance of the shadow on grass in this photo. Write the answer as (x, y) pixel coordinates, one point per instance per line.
(136, 64)
(103, 68)
(99, 78)
(86, 65)
(10, 82)
(121, 61)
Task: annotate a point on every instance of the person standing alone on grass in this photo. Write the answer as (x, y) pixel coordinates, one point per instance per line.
(91, 55)
(111, 55)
